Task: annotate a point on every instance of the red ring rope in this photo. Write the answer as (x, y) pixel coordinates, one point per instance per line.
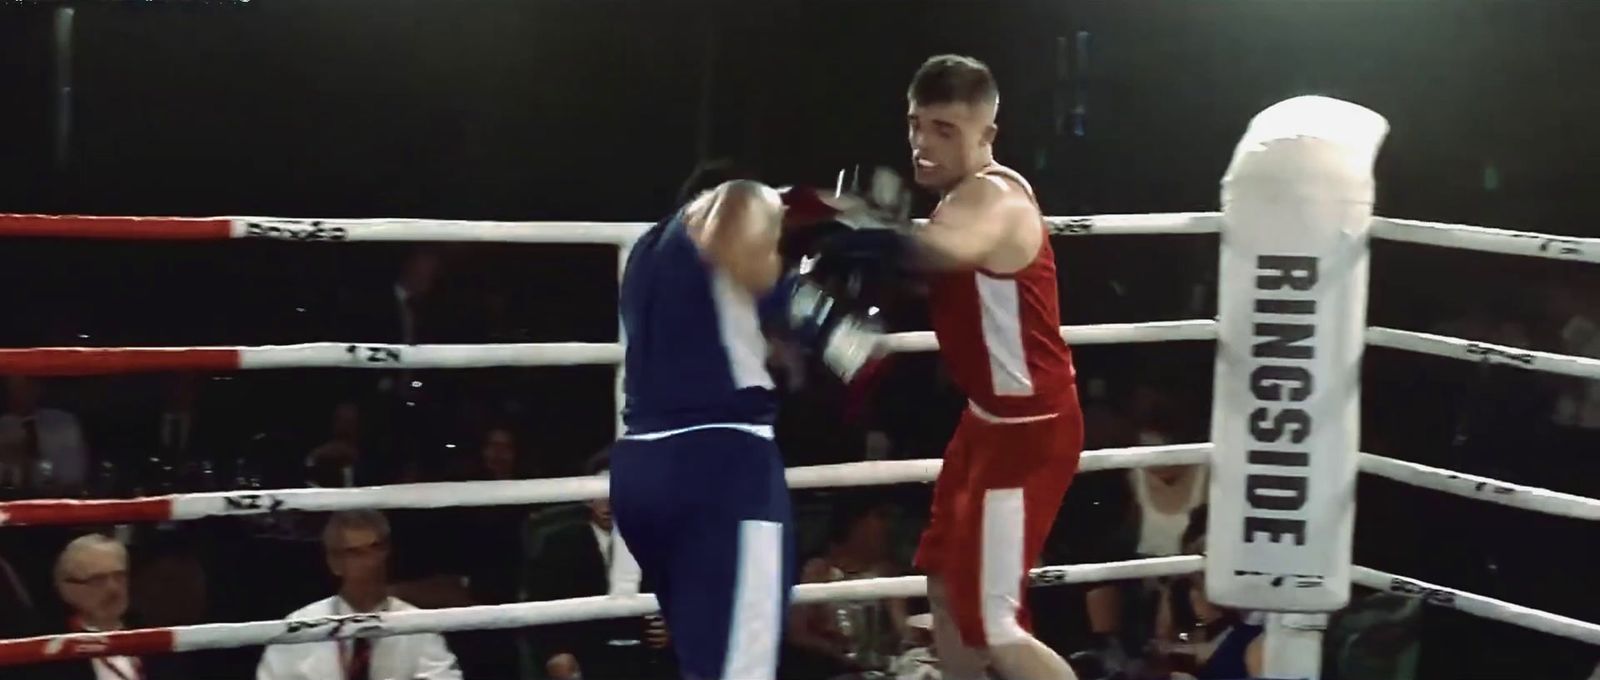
(142, 228)
(78, 361)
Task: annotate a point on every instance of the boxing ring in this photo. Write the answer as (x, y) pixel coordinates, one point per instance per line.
(1290, 635)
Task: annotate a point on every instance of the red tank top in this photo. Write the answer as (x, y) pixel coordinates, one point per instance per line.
(1000, 334)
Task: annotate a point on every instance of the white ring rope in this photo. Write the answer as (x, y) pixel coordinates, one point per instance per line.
(510, 492)
(303, 230)
(420, 230)
(1095, 334)
(1483, 352)
(1483, 488)
(1478, 605)
(391, 356)
(1487, 240)
(522, 614)
(384, 356)
(867, 473)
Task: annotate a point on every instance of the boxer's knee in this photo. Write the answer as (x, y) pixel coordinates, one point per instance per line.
(960, 655)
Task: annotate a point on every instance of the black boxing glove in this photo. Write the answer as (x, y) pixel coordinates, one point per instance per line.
(865, 266)
(822, 325)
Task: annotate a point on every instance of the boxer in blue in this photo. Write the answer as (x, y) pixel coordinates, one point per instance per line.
(697, 484)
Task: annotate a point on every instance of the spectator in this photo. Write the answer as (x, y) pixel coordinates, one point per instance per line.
(17, 614)
(470, 556)
(1214, 643)
(1159, 503)
(182, 433)
(497, 457)
(333, 463)
(590, 559)
(832, 639)
(399, 312)
(356, 544)
(41, 449)
(921, 660)
(175, 431)
(91, 576)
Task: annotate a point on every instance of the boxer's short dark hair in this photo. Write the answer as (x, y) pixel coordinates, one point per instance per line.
(952, 78)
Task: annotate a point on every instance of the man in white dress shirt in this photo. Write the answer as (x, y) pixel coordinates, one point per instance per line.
(357, 547)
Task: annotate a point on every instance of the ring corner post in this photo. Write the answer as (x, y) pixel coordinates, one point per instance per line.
(1297, 203)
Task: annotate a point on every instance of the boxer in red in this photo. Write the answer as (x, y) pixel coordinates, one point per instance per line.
(985, 256)
(996, 315)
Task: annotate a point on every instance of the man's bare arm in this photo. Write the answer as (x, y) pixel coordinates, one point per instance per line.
(971, 224)
(740, 234)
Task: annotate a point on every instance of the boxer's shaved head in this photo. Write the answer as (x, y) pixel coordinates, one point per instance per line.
(952, 102)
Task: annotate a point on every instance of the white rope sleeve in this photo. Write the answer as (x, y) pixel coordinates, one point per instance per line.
(382, 356)
(867, 473)
(1470, 350)
(569, 489)
(382, 229)
(1096, 334)
(518, 615)
(210, 636)
(1487, 240)
(1482, 488)
(881, 472)
(622, 233)
(94, 361)
(1478, 605)
(1136, 225)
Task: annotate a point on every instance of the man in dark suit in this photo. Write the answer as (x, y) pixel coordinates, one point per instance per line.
(17, 617)
(411, 408)
(585, 560)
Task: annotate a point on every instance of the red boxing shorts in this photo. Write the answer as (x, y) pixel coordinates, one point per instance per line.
(993, 505)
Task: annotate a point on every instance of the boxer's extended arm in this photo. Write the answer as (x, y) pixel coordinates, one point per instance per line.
(970, 226)
(740, 232)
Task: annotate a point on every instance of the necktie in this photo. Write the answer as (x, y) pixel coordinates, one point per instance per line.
(359, 666)
(30, 452)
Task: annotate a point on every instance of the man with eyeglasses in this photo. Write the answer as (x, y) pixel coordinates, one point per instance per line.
(356, 544)
(91, 576)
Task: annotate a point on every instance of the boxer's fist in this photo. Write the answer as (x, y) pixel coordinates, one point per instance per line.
(865, 266)
(844, 341)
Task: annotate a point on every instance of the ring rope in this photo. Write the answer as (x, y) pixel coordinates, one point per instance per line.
(1487, 239)
(182, 507)
(415, 230)
(1483, 352)
(516, 615)
(80, 361)
(1460, 236)
(1480, 606)
(1483, 488)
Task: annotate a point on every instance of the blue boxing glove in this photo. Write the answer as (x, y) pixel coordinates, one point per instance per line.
(822, 326)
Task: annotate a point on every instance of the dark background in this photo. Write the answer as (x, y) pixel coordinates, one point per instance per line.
(597, 110)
